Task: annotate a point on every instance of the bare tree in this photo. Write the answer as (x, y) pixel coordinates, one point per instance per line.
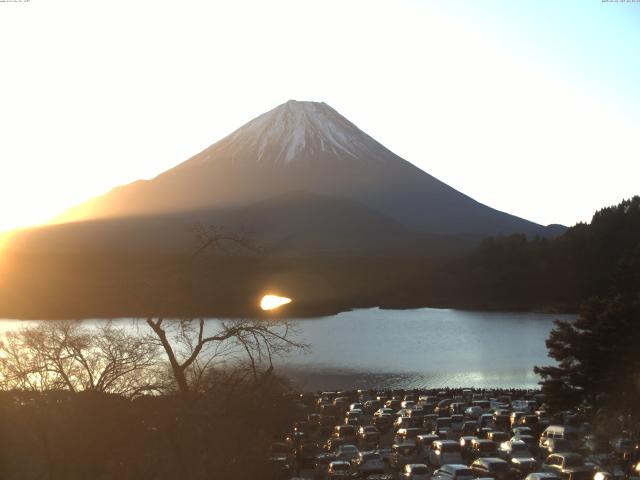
(64, 355)
(191, 350)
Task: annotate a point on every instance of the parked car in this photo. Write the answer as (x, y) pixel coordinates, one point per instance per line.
(347, 452)
(370, 406)
(521, 430)
(353, 417)
(555, 445)
(565, 432)
(497, 437)
(495, 468)
(367, 463)
(473, 412)
(415, 471)
(384, 411)
(531, 443)
(443, 427)
(408, 434)
(517, 452)
(346, 432)
(501, 421)
(338, 469)
(542, 476)
(515, 417)
(424, 441)
(404, 454)
(453, 471)
(369, 434)
(383, 422)
(568, 465)
(468, 428)
(333, 443)
(483, 448)
(443, 452)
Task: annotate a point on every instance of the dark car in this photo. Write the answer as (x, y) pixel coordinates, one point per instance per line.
(483, 448)
(347, 432)
(491, 467)
(369, 435)
(556, 445)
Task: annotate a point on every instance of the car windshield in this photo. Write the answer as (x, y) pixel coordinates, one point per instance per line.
(369, 457)
(499, 467)
(486, 447)
(349, 448)
(443, 422)
(586, 475)
(573, 462)
(337, 467)
(519, 448)
(450, 447)
(419, 470)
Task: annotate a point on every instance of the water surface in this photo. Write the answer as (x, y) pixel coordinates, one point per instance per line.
(411, 348)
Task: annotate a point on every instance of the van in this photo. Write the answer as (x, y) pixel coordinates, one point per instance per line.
(443, 452)
(565, 432)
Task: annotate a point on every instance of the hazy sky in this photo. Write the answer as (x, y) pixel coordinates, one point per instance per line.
(529, 107)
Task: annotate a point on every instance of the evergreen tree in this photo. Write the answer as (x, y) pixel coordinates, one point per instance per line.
(598, 358)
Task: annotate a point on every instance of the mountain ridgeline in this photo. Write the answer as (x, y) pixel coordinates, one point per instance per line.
(305, 153)
(340, 221)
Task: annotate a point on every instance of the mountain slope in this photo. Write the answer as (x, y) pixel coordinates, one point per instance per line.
(305, 146)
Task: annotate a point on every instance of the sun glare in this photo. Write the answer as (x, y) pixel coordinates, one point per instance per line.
(270, 302)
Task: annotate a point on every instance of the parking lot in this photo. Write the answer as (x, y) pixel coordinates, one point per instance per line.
(459, 434)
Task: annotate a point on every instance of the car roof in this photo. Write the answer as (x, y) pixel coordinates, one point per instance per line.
(455, 466)
(567, 455)
(490, 460)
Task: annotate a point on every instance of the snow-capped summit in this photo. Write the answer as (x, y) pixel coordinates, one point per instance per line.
(296, 131)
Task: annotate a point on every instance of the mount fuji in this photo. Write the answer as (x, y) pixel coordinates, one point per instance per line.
(305, 153)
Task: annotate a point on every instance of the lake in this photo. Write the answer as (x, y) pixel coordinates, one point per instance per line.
(425, 347)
